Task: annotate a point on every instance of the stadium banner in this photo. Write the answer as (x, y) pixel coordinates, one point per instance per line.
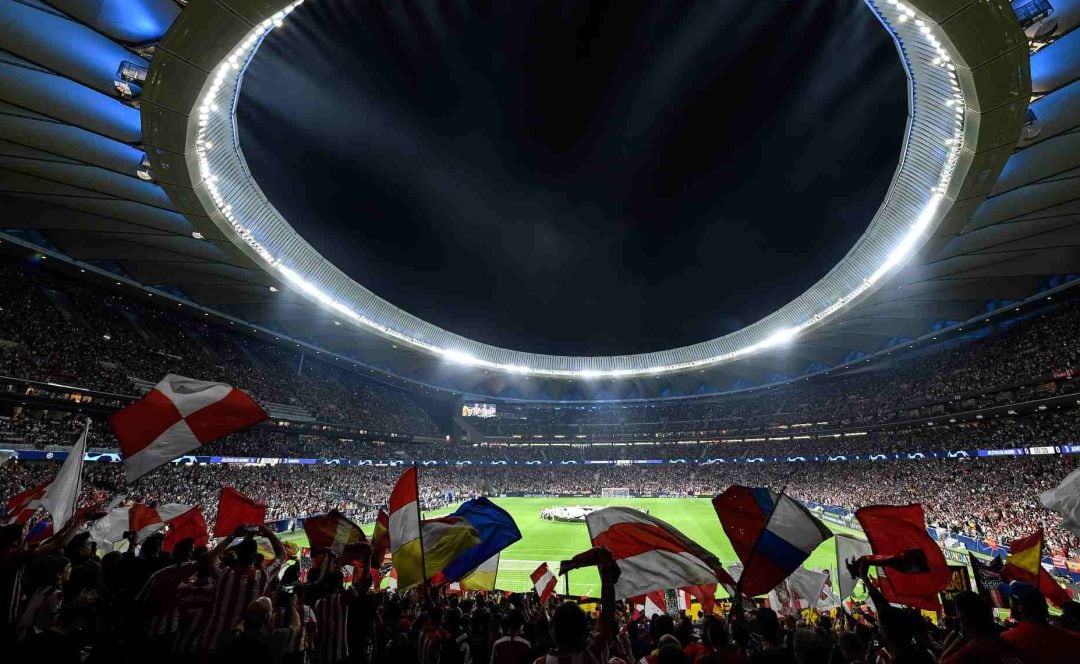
(112, 457)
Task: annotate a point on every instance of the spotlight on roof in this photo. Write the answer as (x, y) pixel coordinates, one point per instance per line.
(131, 72)
(124, 91)
(144, 171)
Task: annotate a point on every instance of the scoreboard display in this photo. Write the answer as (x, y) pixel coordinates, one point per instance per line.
(478, 410)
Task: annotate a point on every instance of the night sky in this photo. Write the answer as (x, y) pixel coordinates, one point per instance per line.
(574, 177)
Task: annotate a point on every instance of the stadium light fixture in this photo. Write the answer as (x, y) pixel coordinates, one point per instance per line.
(131, 73)
(143, 172)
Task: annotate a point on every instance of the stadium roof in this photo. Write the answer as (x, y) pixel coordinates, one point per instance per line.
(978, 218)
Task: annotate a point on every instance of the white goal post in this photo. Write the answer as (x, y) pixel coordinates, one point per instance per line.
(615, 492)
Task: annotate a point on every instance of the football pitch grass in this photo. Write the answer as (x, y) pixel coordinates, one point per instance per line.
(551, 541)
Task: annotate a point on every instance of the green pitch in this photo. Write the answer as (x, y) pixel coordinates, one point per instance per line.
(550, 542)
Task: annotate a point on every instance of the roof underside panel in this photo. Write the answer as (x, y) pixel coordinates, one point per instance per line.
(69, 152)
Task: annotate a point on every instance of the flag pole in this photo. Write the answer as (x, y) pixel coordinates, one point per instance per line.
(79, 481)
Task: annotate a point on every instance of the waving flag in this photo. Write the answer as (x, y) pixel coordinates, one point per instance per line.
(406, 545)
(189, 524)
(178, 415)
(544, 582)
(1024, 563)
(1065, 500)
(380, 537)
(446, 539)
(848, 548)
(333, 531)
(802, 589)
(705, 595)
(146, 520)
(651, 554)
(771, 533)
(483, 577)
(988, 580)
(652, 604)
(21, 507)
(234, 510)
(496, 530)
(63, 492)
(895, 531)
(1025, 555)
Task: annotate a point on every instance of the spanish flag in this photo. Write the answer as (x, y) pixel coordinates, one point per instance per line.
(406, 546)
(1025, 554)
(1024, 563)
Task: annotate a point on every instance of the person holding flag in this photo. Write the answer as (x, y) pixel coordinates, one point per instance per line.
(240, 584)
(573, 637)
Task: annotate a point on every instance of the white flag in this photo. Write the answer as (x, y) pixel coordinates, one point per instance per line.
(848, 547)
(61, 495)
(108, 531)
(1065, 500)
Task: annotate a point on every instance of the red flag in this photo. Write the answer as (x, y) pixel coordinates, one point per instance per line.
(380, 537)
(141, 516)
(705, 595)
(189, 524)
(897, 529)
(178, 415)
(235, 509)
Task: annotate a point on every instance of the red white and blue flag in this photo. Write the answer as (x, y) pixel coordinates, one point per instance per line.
(771, 533)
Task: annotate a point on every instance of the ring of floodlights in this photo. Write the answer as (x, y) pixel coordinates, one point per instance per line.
(913, 206)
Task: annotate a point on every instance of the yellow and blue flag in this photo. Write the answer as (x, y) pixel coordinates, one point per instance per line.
(495, 529)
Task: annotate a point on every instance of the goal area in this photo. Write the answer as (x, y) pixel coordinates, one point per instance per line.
(615, 492)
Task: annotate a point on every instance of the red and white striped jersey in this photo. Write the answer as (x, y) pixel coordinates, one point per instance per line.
(331, 637)
(594, 652)
(194, 607)
(236, 589)
(509, 649)
(305, 637)
(160, 592)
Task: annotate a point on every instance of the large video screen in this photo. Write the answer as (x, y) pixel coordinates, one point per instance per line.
(478, 410)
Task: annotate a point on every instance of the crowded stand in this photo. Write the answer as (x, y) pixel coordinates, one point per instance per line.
(57, 330)
(988, 499)
(1009, 391)
(33, 428)
(1028, 359)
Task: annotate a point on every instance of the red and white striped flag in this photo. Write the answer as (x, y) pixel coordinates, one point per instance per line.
(651, 554)
(179, 415)
(146, 520)
(544, 582)
(405, 543)
(655, 604)
(21, 507)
